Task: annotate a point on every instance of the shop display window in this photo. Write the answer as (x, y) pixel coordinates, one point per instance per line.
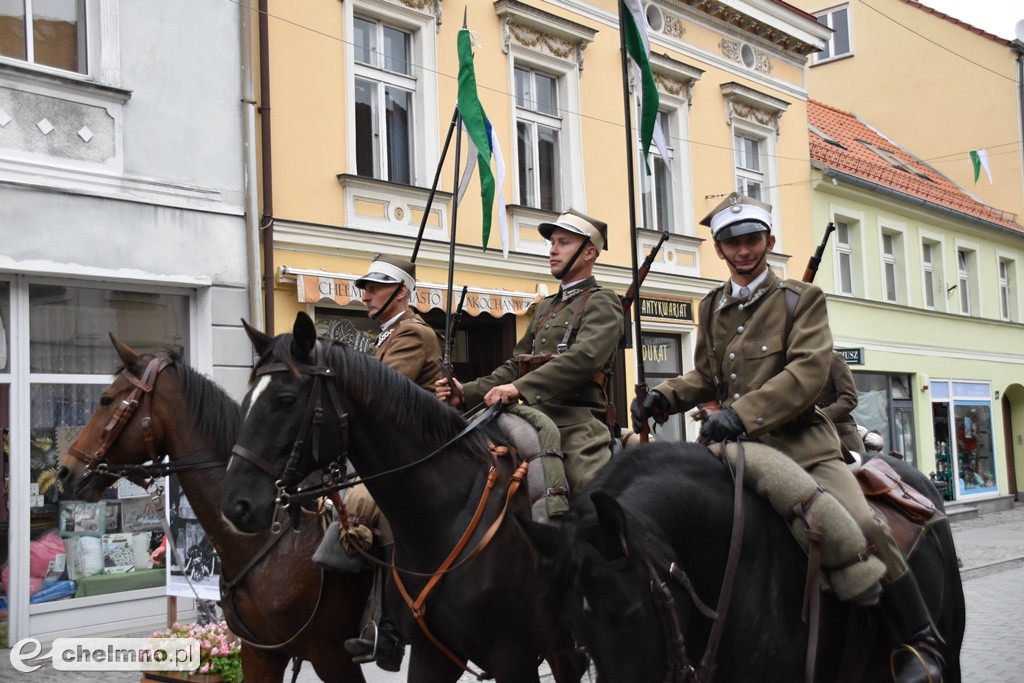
(884, 404)
(962, 424)
(663, 360)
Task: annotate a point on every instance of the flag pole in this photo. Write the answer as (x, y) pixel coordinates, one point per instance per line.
(640, 388)
(455, 220)
(433, 186)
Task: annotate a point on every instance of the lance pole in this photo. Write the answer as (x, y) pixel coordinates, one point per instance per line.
(433, 186)
(455, 220)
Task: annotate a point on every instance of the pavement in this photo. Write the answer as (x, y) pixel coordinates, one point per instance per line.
(990, 548)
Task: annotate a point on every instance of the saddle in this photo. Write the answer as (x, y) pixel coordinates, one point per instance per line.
(907, 512)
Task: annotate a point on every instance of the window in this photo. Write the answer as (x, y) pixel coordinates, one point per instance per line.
(538, 132)
(893, 272)
(846, 274)
(964, 263)
(933, 281)
(658, 197)
(928, 269)
(750, 178)
(885, 402)
(384, 91)
(45, 32)
(964, 437)
(1007, 290)
(839, 42)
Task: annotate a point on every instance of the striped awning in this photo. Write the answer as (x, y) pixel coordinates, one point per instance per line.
(317, 287)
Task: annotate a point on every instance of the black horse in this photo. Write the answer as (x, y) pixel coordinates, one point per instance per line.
(673, 503)
(428, 477)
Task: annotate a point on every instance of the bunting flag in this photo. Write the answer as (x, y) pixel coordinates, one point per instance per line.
(499, 172)
(638, 46)
(979, 158)
(482, 140)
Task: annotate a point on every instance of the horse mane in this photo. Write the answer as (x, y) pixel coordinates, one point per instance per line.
(217, 415)
(385, 392)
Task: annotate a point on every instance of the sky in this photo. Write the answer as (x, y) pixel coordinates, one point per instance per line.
(998, 17)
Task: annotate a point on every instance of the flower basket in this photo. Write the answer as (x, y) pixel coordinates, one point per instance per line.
(220, 655)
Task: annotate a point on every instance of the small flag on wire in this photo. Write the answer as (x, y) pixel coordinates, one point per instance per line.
(979, 159)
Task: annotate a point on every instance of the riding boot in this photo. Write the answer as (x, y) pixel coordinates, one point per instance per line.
(916, 657)
(386, 646)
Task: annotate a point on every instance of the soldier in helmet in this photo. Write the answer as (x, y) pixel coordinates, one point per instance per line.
(763, 351)
(561, 363)
(409, 345)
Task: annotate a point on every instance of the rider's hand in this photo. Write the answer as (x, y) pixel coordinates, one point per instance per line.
(722, 425)
(504, 393)
(444, 391)
(655, 405)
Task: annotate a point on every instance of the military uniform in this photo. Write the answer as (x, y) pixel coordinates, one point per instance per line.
(410, 346)
(837, 399)
(569, 387)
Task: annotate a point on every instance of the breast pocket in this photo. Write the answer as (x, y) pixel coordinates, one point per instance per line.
(762, 348)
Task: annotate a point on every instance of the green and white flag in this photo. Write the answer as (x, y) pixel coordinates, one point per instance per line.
(638, 46)
(979, 159)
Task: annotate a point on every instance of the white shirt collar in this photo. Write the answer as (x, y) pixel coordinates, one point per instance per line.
(754, 284)
(391, 322)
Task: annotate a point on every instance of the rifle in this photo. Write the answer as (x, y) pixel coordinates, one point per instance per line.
(705, 410)
(445, 363)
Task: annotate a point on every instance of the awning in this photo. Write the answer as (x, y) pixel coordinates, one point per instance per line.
(316, 287)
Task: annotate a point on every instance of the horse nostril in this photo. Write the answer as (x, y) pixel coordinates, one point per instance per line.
(63, 474)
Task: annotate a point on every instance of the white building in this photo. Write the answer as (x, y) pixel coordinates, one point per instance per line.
(123, 208)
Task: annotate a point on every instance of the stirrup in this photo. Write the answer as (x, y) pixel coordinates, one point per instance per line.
(897, 651)
(375, 637)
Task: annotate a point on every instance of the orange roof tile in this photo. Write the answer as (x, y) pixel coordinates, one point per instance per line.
(869, 155)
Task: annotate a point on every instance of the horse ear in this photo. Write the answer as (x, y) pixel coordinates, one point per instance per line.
(303, 336)
(546, 538)
(612, 519)
(133, 361)
(260, 341)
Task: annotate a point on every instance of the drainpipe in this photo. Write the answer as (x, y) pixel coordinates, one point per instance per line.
(267, 219)
(1018, 47)
(250, 165)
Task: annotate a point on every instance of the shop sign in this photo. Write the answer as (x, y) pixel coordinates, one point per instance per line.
(667, 309)
(852, 356)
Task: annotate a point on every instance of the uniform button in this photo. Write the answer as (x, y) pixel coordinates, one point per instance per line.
(537, 398)
(732, 356)
(732, 376)
(760, 420)
(544, 339)
(739, 329)
(764, 348)
(547, 326)
(736, 396)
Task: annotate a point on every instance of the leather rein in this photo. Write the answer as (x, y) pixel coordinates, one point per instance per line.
(680, 668)
(309, 430)
(144, 475)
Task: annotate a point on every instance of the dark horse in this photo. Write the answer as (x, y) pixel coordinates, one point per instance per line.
(283, 600)
(673, 503)
(489, 607)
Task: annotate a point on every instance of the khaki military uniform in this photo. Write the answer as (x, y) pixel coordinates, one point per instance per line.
(745, 359)
(837, 399)
(568, 388)
(410, 346)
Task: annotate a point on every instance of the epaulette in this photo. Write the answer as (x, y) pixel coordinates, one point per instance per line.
(797, 286)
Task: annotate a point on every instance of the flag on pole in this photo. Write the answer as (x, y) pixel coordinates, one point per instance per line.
(979, 158)
(482, 140)
(638, 46)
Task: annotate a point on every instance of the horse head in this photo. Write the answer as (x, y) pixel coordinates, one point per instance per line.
(293, 424)
(606, 585)
(127, 426)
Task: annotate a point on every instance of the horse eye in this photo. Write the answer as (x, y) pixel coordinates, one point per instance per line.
(105, 401)
(284, 401)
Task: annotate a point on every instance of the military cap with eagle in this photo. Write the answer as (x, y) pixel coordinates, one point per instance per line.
(390, 270)
(576, 222)
(738, 215)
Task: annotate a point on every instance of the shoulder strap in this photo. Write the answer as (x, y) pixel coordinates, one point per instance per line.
(584, 297)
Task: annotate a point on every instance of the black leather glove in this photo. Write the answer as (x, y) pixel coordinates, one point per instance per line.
(655, 405)
(722, 425)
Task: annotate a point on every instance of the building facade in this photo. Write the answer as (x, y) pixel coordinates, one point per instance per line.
(924, 299)
(123, 196)
(357, 136)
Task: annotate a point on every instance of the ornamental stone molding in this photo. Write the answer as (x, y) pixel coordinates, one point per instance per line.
(533, 28)
(758, 60)
(718, 14)
(673, 26)
(750, 105)
(428, 6)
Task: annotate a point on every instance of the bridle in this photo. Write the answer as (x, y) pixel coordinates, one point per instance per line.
(140, 396)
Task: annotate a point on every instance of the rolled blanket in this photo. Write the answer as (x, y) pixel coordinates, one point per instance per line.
(536, 437)
(777, 478)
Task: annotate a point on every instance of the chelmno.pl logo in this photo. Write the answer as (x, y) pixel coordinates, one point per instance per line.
(109, 654)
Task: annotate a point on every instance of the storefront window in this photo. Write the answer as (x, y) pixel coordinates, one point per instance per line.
(962, 422)
(663, 360)
(80, 548)
(884, 403)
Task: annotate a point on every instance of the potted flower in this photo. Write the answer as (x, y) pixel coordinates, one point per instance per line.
(220, 656)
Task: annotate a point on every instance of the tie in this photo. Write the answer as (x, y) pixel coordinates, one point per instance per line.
(744, 292)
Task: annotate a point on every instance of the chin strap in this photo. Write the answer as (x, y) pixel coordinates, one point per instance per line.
(572, 261)
(387, 303)
(747, 271)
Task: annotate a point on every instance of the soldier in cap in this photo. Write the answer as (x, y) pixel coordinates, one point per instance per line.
(837, 400)
(561, 363)
(409, 345)
(763, 351)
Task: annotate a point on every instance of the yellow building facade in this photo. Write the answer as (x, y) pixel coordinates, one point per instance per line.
(363, 93)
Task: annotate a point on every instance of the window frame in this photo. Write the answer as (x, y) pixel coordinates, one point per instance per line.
(936, 267)
(897, 260)
(533, 119)
(421, 27)
(651, 199)
(830, 44)
(851, 250)
(967, 279)
(1006, 274)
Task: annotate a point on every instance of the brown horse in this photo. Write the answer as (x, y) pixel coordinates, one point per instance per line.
(284, 605)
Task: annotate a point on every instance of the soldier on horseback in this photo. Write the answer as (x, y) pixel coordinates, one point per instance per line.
(409, 345)
(763, 350)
